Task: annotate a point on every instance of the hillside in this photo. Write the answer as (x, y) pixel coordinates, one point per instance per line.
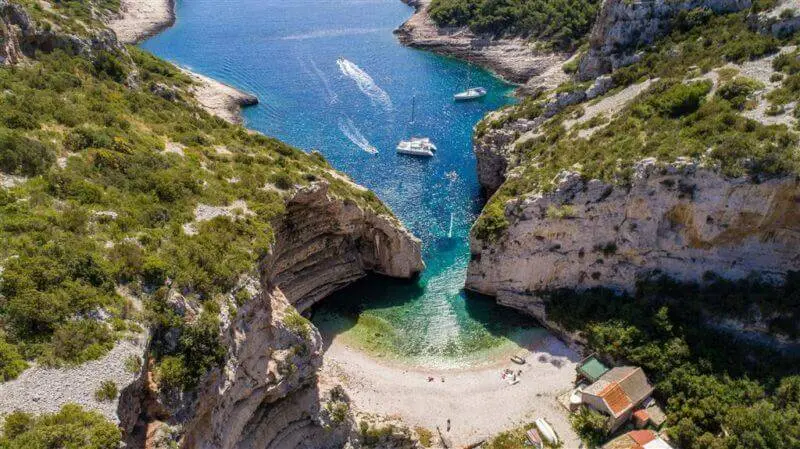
(662, 177)
(157, 253)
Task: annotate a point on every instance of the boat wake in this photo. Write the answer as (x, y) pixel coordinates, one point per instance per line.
(332, 97)
(349, 129)
(365, 83)
(330, 33)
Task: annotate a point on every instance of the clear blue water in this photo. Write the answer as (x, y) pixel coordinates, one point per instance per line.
(287, 53)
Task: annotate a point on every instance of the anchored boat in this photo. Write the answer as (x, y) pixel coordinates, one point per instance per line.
(470, 94)
(416, 146)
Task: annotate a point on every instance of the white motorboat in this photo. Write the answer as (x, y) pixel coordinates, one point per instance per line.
(472, 93)
(416, 146)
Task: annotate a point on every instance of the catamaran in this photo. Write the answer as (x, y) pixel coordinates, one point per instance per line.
(416, 146)
(472, 93)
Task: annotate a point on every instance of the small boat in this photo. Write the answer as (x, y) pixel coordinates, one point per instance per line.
(535, 439)
(472, 93)
(518, 360)
(546, 431)
(416, 146)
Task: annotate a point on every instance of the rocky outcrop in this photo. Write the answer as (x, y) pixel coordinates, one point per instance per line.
(513, 58)
(220, 99)
(781, 21)
(623, 26)
(679, 219)
(265, 394)
(325, 243)
(495, 148)
(19, 37)
(271, 356)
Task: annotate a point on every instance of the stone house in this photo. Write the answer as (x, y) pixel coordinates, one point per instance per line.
(617, 393)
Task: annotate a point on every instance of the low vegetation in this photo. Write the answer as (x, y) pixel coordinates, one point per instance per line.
(107, 392)
(69, 428)
(718, 394)
(672, 119)
(102, 204)
(561, 22)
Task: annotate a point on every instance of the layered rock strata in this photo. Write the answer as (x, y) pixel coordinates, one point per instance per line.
(265, 395)
(678, 219)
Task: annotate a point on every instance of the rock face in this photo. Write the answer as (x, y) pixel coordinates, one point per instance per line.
(494, 149)
(19, 37)
(622, 26)
(269, 359)
(265, 395)
(514, 59)
(678, 219)
(325, 243)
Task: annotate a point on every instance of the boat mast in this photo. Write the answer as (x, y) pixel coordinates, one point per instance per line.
(413, 106)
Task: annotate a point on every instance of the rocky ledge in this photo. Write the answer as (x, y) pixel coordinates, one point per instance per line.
(514, 59)
(679, 219)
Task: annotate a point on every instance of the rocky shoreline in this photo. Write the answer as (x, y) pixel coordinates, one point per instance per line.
(139, 20)
(516, 60)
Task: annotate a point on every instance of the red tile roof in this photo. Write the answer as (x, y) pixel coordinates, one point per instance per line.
(642, 437)
(641, 415)
(616, 399)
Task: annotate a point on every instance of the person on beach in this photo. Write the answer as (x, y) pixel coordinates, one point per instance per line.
(448, 424)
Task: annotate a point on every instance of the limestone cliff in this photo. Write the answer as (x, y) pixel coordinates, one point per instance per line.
(19, 37)
(265, 394)
(679, 219)
(623, 27)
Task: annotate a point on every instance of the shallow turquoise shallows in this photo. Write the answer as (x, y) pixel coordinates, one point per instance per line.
(331, 76)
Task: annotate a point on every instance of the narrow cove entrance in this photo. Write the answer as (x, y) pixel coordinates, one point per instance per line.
(331, 77)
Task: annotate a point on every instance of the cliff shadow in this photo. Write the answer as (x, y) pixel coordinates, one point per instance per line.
(523, 330)
(342, 310)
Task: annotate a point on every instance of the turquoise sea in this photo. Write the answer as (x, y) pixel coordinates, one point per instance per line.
(331, 76)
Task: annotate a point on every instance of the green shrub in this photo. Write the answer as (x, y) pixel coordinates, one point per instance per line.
(297, 324)
(561, 22)
(171, 373)
(561, 212)
(107, 392)
(424, 435)
(591, 426)
(70, 428)
(133, 364)
(76, 342)
(11, 362)
(20, 155)
(738, 90)
(675, 100)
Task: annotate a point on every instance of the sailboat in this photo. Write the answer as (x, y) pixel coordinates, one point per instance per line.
(472, 93)
(416, 146)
